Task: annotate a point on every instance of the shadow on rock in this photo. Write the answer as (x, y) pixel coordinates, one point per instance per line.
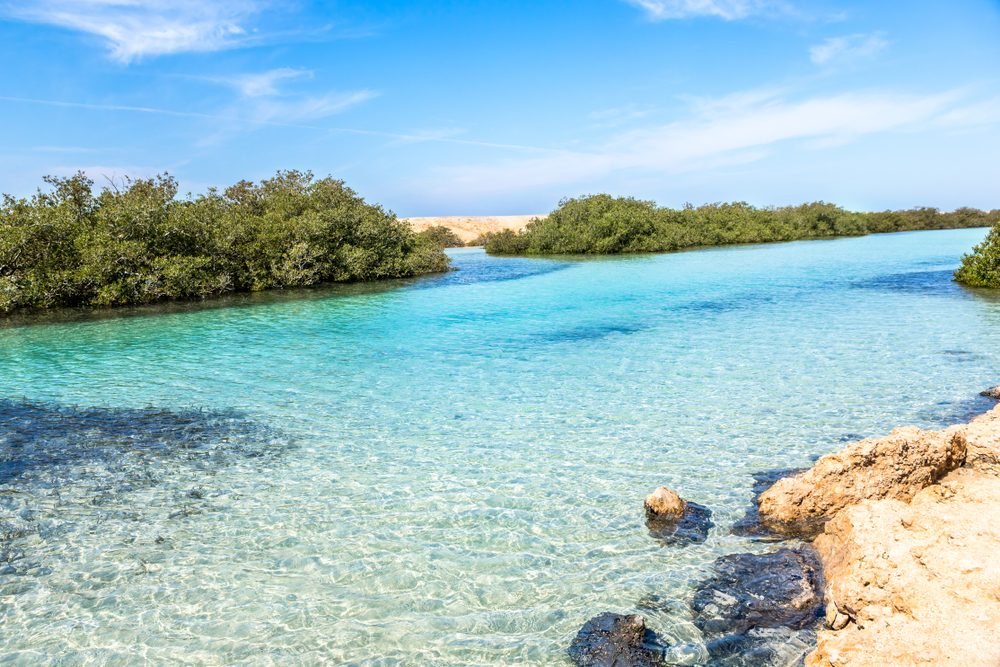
(755, 605)
(616, 640)
(691, 528)
(750, 525)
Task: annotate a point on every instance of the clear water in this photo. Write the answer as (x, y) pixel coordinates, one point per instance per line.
(450, 470)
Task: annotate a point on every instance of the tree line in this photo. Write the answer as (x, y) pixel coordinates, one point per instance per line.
(602, 224)
(137, 242)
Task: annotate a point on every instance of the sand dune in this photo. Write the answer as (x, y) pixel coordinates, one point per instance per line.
(469, 227)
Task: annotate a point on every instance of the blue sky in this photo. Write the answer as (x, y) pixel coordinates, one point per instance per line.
(436, 107)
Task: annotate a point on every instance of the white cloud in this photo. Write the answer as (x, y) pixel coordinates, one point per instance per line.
(847, 48)
(135, 28)
(262, 84)
(728, 10)
(302, 109)
(739, 129)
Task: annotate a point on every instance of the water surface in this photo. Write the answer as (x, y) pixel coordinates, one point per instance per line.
(448, 470)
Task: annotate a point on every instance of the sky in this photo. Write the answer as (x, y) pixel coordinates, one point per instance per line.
(434, 107)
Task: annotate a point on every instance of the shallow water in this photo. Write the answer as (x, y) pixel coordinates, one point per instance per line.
(449, 470)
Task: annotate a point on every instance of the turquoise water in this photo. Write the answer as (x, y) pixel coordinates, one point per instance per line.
(449, 470)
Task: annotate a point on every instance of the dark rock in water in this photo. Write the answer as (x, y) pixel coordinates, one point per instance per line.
(616, 640)
(750, 525)
(753, 601)
(691, 528)
(993, 392)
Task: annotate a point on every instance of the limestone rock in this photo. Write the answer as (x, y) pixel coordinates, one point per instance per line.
(896, 466)
(616, 640)
(992, 392)
(915, 583)
(982, 436)
(663, 503)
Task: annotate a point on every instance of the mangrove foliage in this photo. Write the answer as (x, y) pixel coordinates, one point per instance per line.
(602, 224)
(442, 236)
(981, 268)
(137, 242)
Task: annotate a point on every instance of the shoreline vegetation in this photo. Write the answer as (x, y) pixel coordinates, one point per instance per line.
(981, 267)
(137, 243)
(605, 225)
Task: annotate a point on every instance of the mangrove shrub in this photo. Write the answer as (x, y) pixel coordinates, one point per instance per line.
(602, 224)
(981, 268)
(138, 243)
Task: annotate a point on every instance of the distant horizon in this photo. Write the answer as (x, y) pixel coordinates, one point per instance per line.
(432, 109)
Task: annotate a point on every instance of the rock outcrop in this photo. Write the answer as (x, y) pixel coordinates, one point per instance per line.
(616, 640)
(992, 392)
(982, 436)
(909, 543)
(915, 583)
(896, 466)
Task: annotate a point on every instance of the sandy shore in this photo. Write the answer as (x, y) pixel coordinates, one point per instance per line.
(469, 227)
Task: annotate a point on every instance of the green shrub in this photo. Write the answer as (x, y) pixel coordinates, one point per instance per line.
(602, 224)
(70, 246)
(442, 236)
(981, 268)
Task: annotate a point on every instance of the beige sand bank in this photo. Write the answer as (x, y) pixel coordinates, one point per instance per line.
(469, 227)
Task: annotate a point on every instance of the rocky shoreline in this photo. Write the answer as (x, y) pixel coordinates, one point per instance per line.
(892, 562)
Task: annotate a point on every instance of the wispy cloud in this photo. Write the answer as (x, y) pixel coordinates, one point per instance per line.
(847, 48)
(135, 28)
(617, 116)
(260, 84)
(278, 115)
(301, 109)
(739, 129)
(431, 134)
(727, 10)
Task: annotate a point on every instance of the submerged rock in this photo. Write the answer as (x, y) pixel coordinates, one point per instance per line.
(674, 520)
(616, 640)
(896, 466)
(992, 392)
(691, 528)
(752, 604)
